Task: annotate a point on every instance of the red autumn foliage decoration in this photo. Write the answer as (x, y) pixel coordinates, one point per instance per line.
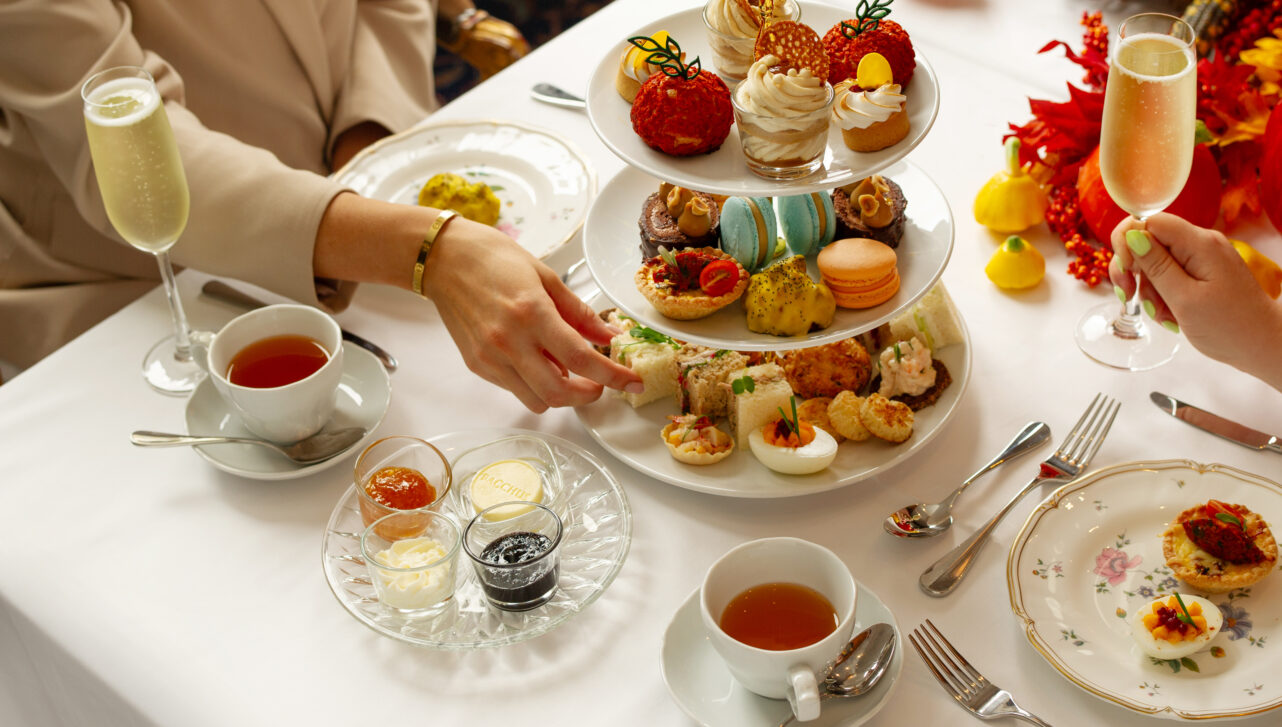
(1060, 144)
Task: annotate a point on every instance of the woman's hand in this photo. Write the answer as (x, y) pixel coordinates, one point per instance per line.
(1192, 280)
(516, 324)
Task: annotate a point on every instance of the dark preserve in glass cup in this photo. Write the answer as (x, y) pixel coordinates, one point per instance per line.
(516, 557)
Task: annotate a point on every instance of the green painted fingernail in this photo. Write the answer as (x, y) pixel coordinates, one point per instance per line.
(1121, 294)
(1150, 309)
(1171, 326)
(1139, 242)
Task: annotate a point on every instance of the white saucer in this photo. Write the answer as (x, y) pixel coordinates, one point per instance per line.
(704, 689)
(363, 396)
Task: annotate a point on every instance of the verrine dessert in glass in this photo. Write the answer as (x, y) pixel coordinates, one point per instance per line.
(732, 27)
(1146, 151)
(144, 191)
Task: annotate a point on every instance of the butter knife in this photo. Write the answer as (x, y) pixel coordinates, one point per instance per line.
(219, 290)
(1217, 425)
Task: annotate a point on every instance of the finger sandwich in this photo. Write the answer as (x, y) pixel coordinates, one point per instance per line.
(754, 407)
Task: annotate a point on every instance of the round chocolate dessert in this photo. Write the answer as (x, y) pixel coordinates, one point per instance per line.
(873, 208)
(660, 228)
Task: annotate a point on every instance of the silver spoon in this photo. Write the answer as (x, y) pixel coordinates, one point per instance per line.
(924, 521)
(859, 666)
(547, 93)
(316, 448)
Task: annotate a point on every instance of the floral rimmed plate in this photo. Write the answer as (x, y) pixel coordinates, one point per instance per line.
(598, 533)
(1091, 554)
(543, 183)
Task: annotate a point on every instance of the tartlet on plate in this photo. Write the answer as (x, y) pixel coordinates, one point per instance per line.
(674, 290)
(1207, 572)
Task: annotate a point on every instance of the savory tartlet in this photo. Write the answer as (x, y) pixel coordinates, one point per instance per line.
(692, 439)
(691, 284)
(1217, 547)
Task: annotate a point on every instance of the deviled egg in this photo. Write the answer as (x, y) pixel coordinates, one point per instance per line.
(813, 450)
(1168, 629)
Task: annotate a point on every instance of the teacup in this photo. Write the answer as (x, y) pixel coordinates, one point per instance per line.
(292, 411)
(787, 673)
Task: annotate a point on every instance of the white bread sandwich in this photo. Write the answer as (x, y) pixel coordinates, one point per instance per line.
(756, 404)
(652, 356)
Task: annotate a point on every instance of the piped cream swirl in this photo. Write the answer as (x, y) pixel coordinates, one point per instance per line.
(858, 109)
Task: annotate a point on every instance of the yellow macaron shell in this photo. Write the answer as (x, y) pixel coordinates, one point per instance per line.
(504, 481)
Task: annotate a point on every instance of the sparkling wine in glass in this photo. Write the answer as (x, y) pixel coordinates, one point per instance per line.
(1146, 151)
(144, 190)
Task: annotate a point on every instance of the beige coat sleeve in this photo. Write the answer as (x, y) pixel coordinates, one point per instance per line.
(251, 218)
(389, 80)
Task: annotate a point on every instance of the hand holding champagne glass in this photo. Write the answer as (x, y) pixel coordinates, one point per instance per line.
(144, 190)
(1146, 151)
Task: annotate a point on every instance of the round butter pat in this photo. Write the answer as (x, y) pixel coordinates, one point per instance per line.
(504, 481)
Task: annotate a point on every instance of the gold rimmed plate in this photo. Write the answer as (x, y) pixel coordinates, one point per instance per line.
(1091, 555)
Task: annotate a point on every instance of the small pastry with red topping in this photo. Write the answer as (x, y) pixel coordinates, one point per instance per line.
(869, 32)
(1218, 547)
(680, 111)
(692, 439)
(691, 284)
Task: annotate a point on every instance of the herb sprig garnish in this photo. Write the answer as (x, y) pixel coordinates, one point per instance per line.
(793, 425)
(649, 335)
(1224, 517)
(744, 383)
(667, 57)
(869, 14)
(1185, 617)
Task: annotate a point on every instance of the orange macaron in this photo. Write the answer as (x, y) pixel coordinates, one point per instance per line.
(860, 272)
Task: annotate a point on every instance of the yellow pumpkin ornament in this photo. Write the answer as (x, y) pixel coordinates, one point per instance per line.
(1012, 200)
(1266, 272)
(1016, 264)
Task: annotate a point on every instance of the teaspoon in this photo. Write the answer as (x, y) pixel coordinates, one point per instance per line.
(859, 666)
(316, 448)
(547, 93)
(924, 521)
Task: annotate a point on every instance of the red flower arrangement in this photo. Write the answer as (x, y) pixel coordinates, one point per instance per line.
(1059, 144)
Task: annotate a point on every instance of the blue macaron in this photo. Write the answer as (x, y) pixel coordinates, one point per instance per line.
(749, 231)
(808, 222)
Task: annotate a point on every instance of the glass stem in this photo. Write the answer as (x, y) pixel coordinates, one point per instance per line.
(182, 333)
(1128, 325)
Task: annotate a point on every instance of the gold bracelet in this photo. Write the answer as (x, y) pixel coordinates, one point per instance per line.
(428, 240)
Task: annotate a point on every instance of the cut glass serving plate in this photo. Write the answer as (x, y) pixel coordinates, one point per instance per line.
(543, 183)
(598, 533)
(611, 247)
(1091, 555)
(725, 170)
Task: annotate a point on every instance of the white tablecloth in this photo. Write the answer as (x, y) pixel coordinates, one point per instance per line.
(144, 586)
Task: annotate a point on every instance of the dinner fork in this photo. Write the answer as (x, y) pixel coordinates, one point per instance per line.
(1073, 455)
(972, 691)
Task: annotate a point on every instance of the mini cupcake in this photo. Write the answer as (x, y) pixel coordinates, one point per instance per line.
(874, 207)
(870, 120)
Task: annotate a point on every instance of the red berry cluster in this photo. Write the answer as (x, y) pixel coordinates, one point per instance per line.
(1095, 43)
(1256, 23)
(1064, 217)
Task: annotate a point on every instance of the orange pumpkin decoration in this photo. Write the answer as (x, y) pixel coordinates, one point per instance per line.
(1199, 201)
(1271, 168)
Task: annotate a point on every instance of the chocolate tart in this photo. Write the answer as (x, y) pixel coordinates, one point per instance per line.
(658, 228)
(850, 225)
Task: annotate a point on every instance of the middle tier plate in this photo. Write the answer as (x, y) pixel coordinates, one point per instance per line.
(611, 242)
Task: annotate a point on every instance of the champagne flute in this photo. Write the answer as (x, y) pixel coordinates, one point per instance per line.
(1146, 151)
(144, 190)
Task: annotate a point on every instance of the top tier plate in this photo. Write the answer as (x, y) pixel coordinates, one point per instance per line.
(725, 171)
